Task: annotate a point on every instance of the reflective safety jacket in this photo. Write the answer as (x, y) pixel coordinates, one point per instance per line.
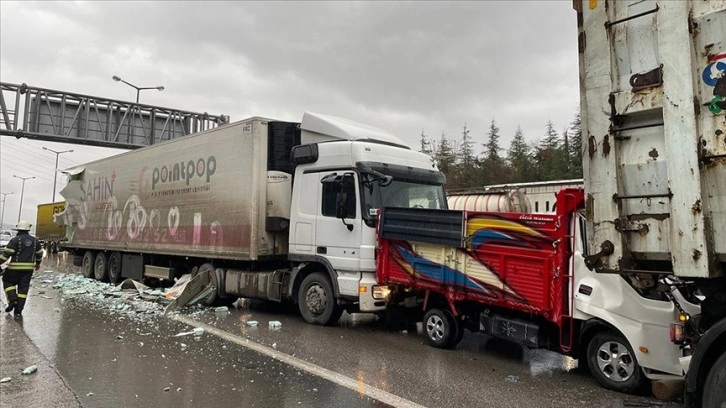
(24, 252)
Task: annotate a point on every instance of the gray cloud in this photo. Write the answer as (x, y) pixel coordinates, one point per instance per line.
(400, 66)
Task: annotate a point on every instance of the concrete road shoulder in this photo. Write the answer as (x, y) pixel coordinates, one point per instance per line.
(45, 388)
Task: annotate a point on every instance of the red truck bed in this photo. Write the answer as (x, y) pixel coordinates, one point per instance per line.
(511, 260)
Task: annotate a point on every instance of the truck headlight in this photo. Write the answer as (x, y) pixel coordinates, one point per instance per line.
(381, 292)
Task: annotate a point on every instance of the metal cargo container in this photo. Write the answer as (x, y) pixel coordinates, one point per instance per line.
(224, 193)
(653, 79)
(45, 228)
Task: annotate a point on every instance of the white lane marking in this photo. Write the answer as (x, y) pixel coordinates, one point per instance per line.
(340, 379)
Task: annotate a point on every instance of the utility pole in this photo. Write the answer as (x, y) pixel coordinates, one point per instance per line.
(55, 174)
(22, 191)
(2, 214)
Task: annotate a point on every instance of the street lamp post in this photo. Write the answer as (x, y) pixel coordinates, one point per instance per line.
(138, 88)
(2, 214)
(22, 191)
(55, 177)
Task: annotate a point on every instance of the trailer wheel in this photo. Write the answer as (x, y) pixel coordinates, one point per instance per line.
(440, 328)
(87, 264)
(316, 300)
(714, 390)
(613, 364)
(210, 300)
(100, 267)
(114, 267)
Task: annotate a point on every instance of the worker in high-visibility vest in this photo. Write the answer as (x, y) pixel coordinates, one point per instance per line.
(25, 254)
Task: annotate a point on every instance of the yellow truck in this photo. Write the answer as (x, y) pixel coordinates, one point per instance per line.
(46, 230)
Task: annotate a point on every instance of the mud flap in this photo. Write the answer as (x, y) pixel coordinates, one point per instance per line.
(198, 288)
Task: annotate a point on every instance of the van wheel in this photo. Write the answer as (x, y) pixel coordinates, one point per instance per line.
(613, 364)
(100, 267)
(316, 300)
(114, 267)
(440, 328)
(87, 264)
(714, 391)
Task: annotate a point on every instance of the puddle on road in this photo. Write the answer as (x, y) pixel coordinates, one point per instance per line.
(116, 350)
(545, 362)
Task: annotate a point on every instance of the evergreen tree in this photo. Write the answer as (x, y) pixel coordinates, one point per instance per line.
(426, 147)
(466, 149)
(446, 161)
(520, 158)
(551, 157)
(491, 147)
(575, 148)
(467, 174)
(493, 169)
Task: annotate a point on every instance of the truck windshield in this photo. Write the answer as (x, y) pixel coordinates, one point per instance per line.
(400, 193)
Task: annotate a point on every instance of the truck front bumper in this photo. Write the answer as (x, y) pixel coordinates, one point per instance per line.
(365, 294)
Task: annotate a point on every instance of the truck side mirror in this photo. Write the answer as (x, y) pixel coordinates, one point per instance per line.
(341, 205)
(340, 182)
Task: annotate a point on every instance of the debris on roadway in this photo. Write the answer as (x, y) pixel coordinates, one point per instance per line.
(30, 370)
(197, 331)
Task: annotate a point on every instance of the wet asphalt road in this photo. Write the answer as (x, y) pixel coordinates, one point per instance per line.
(110, 359)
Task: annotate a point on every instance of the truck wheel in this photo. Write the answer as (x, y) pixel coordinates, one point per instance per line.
(440, 328)
(87, 265)
(211, 299)
(613, 364)
(114, 267)
(100, 267)
(714, 391)
(459, 332)
(316, 300)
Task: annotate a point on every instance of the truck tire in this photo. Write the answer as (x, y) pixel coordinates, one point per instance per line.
(316, 300)
(459, 332)
(613, 364)
(114, 267)
(714, 390)
(210, 300)
(100, 267)
(440, 328)
(87, 264)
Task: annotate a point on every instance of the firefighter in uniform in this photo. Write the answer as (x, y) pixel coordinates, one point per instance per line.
(25, 254)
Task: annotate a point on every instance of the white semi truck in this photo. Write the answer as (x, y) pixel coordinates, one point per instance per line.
(653, 97)
(254, 204)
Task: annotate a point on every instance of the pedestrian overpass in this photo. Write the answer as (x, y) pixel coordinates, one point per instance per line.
(65, 117)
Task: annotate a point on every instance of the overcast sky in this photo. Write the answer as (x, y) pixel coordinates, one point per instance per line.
(403, 67)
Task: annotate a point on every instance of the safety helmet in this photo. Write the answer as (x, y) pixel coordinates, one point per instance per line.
(23, 226)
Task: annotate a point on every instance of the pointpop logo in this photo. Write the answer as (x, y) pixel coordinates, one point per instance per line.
(200, 168)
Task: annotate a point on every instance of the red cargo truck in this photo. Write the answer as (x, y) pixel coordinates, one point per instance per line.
(522, 277)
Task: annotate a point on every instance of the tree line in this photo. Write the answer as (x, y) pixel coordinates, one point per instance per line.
(556, 156)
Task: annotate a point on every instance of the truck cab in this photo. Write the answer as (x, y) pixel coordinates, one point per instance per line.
(343, 176)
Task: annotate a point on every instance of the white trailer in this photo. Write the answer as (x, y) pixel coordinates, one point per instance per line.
(254, 205)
